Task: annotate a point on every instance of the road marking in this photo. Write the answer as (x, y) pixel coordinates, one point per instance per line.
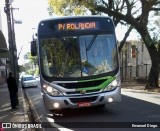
(52, 123)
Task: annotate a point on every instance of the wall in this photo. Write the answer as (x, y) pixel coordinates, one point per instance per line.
(3, 47)
(135, 66)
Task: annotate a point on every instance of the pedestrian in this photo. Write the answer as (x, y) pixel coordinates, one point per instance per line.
(13, 90)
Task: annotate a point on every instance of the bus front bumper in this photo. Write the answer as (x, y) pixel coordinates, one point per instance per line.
(62, 102)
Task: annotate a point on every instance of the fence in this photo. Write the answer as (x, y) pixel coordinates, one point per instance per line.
(135, 61)
(140, 72)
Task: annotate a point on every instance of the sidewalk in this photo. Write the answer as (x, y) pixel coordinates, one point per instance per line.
(7, 114)
(138, 87)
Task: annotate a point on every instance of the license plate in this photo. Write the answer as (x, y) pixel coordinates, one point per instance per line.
(84, 104)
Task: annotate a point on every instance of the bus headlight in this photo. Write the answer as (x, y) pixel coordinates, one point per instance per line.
(111, 86)
(51, 91)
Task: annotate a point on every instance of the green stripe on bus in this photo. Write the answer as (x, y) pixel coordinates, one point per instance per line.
(109, 79)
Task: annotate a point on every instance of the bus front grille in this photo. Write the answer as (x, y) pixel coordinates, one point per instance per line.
(83, 85)
(79, 93)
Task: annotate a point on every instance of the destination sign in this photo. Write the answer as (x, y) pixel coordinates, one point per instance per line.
(77, 26)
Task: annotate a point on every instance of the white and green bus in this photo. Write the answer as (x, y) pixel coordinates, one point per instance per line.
(78, 62)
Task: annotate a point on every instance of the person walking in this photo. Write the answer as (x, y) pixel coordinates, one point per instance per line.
(13, 90)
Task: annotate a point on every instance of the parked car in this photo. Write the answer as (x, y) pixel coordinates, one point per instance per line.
(28, 81)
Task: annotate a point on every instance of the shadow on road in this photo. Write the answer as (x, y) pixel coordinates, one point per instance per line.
(129, 110)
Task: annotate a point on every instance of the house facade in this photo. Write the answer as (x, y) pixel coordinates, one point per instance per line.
(4, 53)
(135, 61)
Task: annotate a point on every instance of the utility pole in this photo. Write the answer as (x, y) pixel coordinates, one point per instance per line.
(11, 39)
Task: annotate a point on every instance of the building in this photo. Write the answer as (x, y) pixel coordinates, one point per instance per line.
(4, 53)
(135, 61)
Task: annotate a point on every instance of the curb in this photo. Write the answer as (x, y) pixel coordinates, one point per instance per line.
(142, 91)
(26, 117)
(34, 115)
(25, 108)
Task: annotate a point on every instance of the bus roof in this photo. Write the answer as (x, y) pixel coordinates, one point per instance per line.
(71, 17)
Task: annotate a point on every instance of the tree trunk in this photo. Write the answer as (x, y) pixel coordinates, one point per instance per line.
(154, 53)
(125, 38)
(153, 80)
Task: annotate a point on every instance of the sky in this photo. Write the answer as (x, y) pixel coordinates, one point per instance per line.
(30, 12)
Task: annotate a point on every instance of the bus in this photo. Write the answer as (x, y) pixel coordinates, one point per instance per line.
(78, 62)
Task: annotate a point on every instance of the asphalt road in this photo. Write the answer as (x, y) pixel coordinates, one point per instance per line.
(135, 107)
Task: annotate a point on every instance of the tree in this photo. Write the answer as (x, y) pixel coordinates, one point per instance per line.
(135, 13)
(66, 7)
(32, 59)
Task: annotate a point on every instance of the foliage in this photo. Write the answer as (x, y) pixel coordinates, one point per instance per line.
(34, 61)
(128, 12)
(20, 68)
(30, 72)
(66, 7)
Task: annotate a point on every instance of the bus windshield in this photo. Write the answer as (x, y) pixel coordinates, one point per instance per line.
(78, 56)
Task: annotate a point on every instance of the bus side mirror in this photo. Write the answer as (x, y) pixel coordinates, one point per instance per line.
(33, 48)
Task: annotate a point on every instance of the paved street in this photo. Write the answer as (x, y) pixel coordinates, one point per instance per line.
(136, 106)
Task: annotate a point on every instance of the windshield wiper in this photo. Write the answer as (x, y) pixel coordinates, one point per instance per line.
(91, 43)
